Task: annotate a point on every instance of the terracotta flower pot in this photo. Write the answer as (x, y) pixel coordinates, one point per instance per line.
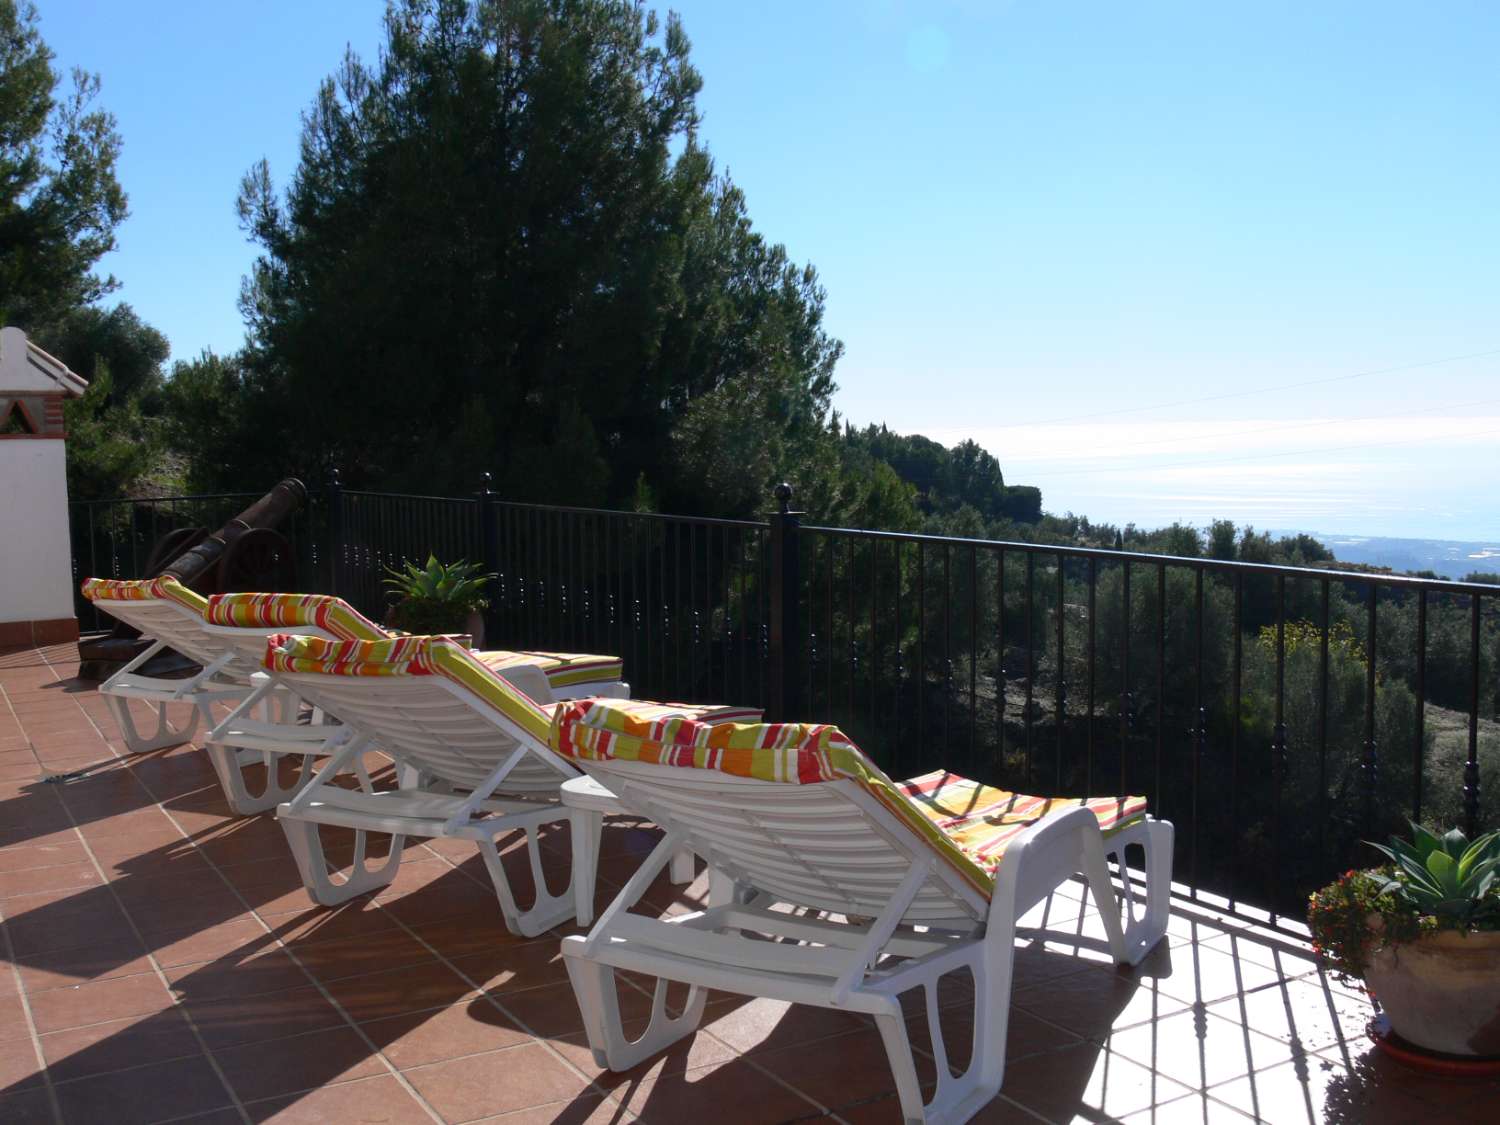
(1442, 991)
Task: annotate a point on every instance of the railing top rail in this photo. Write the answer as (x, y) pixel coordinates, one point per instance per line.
(713, 521)
(164, 499)
(1399, 580)
(411, 496)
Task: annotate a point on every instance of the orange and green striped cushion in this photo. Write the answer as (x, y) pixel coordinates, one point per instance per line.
(970, 836)
(439, 656)
(562, 669)
(334, 616)
(143, 590)
(339, 619)
(983, 819)
(410, 656)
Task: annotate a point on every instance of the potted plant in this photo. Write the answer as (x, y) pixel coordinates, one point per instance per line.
(436, 598)
(1423, 933)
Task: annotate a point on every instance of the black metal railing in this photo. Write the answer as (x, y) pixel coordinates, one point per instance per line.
(117, 538)
(1278, 715)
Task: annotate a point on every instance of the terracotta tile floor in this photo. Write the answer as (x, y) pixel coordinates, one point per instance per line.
(164, 964)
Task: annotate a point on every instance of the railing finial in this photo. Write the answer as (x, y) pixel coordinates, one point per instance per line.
(784, 497)
(484, 485)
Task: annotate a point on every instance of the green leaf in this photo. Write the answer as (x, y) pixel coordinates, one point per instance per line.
(1424, 840)
(1454, 843)
(1444, 869)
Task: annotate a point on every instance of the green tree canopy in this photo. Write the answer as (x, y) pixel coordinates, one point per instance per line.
(504, 248)
(59, 199)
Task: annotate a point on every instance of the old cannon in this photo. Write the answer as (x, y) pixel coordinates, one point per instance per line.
(247, 553)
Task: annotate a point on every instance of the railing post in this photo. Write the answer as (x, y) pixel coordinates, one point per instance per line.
(489, 549)
(335, 493)
(784, 663)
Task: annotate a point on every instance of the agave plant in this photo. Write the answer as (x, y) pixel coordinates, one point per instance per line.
(1446, 876)
(436, 598)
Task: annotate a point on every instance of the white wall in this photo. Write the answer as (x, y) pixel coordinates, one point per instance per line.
(36, 580)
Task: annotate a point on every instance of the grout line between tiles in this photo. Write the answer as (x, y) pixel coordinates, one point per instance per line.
(10, 953)
(318, 984)
(161, 975)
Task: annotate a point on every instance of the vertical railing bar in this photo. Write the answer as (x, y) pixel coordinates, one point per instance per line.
(1238, 721)
(1088, 767)
(1127, 707)
(1278, 744)
(874, 633)
(899, 637)
(1200, 731)
(1471, 766)
(1161, 675)
(693, 609)
(850, 618)
(1030, 658)
(947, 646)
(829, 560)
(973, 653)
(1060, 689)
(1371, 659)
(1000, 676)
(1323, 637)
(1420, 741)
(921, 676)
(744, 570)
(726, 645)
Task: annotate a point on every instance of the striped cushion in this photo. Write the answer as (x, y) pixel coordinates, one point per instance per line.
(410, 656)
(334, 616)
(339, 619)
(967, 824)
(983, 819)
(439, 656)
(562, 669)
(142, 590)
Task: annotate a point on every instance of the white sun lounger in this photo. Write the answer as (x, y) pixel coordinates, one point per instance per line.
(477, 742)
(243, 622)
(171, 617)
(906, 881)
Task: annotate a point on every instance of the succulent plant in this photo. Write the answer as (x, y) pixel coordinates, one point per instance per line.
(436, 598)
(1444, 876)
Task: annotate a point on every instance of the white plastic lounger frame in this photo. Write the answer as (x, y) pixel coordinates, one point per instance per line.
(255, 731)
(169, 625)
(833, 848)
(231, 674)
(464, 750)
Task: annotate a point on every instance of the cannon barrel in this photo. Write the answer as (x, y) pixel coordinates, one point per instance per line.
(268, 511)
(206, 566)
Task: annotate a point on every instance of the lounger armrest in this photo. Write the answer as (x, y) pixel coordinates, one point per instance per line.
(528, 678)
(1041, 858)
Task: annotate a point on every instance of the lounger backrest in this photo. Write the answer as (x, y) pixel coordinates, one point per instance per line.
(162, 609)
(323, 615)
(246, 620)
(797, 809)
(426, 701)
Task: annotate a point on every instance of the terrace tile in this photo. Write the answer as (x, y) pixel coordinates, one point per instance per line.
(414, 1004)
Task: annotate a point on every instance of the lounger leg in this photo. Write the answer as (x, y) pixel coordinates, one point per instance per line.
(166, 734)
(1131, 937)
(230, 763)
(892, 1028)
(548, 909)
(594, 987)
(313, 865)
(684, 868)
(586, 826)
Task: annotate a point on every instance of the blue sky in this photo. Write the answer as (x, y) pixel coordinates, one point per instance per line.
(1095, 237)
